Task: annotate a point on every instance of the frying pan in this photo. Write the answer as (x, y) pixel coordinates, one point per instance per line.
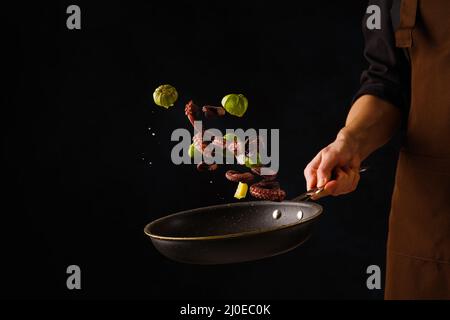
(237, 232)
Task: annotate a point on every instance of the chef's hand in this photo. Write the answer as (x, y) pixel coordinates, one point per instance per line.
(336, 167)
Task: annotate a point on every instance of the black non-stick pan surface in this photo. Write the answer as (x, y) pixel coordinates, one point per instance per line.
(236, 232)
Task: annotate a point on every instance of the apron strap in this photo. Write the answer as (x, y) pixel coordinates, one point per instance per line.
(408, 12)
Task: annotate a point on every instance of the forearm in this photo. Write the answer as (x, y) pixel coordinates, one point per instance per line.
(370, 123)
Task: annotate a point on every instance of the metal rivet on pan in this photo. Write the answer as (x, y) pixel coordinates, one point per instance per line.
(276, 214)
(299, 214)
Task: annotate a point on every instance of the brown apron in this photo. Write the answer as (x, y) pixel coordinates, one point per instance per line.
(418, 251)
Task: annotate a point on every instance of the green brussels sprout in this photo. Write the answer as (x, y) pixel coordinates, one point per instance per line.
(192, 151)
(250, 163)
(165, 96)
(229, 137)
(235, 104)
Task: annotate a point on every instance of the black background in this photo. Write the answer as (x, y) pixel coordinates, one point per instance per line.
(76, 139)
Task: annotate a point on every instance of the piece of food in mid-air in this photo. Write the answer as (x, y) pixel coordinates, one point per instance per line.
(192, 151)
(202, 166)
(230, 137)
(241, 191)
(251, 163)
(212, 112)
(235, 104)
(165, 96)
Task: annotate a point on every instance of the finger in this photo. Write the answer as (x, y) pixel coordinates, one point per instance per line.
(342, 182)
(349, 181)
(311, 178)
(329, 189)
(345, 181)
(331, 186)
(356, 178)
(310, 172)
(327, 164)
(353, 178)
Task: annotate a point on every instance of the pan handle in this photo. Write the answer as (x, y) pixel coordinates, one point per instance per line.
(308, 194)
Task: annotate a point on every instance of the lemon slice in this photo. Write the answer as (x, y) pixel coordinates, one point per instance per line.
(241, 191)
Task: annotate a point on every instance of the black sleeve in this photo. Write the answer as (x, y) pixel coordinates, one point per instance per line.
(388, 74)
